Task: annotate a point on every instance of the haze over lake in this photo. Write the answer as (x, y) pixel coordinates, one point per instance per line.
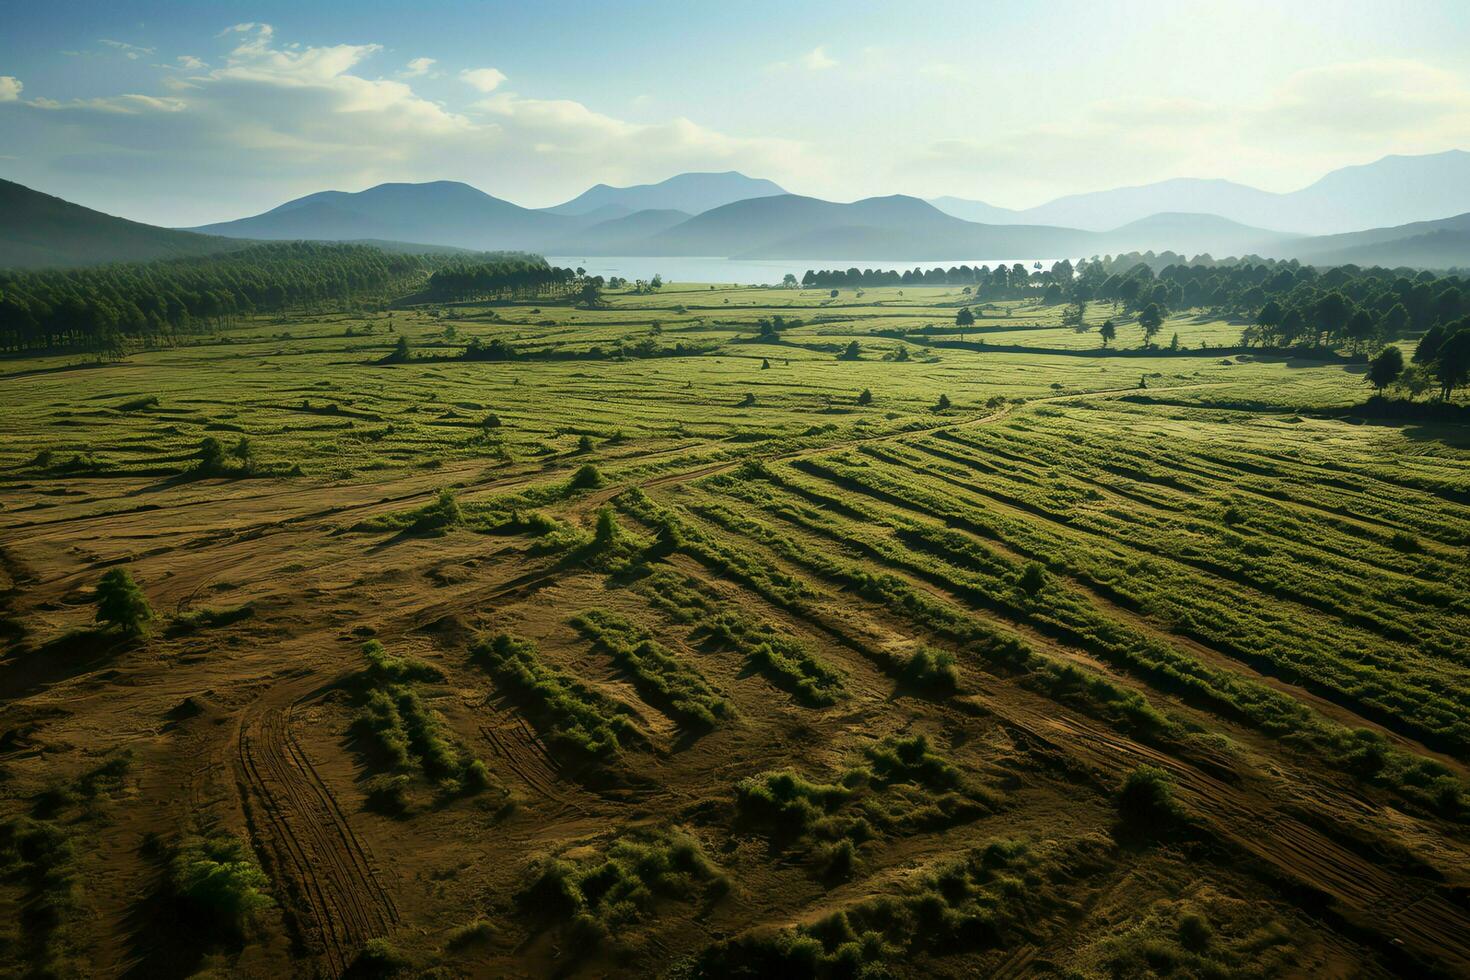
(713, 269)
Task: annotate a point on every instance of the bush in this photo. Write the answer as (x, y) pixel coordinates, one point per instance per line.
(444, 512)
(211, 457)
(1032, 578)
(932, 669)
(620, 885)
(217, 880)
(379, 960)
(1146, 805)
(576, 716)
(587, 477)
(121, 603)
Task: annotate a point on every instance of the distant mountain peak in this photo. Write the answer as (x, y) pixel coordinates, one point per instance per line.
(694, 192)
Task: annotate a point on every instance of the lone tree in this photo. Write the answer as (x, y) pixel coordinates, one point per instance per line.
(1107, 332)
(964, 318)
(852, 353)
(1385, 369)
(1150, 320)
(211, 457)
(1032, 578)
(607, 527)
(866, 398)
(121, 603)
(942, 404)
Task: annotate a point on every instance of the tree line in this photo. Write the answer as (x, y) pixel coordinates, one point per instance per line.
(507, 278)
(95, 309)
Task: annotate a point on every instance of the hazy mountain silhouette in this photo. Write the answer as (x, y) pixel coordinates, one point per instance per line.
(1193, 234)
(1391, 191)
(441, 212)
(616, 236)
(1441, 244)
(38, 230)
(692, 193)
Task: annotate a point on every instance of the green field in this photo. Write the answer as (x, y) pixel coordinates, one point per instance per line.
(720, 665)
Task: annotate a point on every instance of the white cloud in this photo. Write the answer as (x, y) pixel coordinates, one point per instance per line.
(484, 79)
(10, 87)
(263, 30)
(417, 67)
(1315, 120)
(274, 120)
(817, 60)
(130, 51)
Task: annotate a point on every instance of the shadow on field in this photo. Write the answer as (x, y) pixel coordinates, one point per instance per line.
(29, 669)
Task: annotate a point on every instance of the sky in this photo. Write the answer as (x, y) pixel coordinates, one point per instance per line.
(186, 113)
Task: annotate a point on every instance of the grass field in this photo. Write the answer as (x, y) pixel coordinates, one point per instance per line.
(700, 664)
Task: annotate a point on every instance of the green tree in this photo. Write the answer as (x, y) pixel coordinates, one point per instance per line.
(1150, 320)
(400, 351)
(851, 353)
(211, 457)
(964, 318)
(942, 404)
(607, 527)
(1394, 321)
(866, 398)
(1385, 369)
(1107, 332)
(1452, 364)
(1333, 312)
(121, 603)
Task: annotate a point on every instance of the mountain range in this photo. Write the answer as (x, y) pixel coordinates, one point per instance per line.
(731, 215)
(1392, 191)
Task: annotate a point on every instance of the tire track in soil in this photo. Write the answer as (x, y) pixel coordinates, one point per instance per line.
(526, 756)
(336, 899)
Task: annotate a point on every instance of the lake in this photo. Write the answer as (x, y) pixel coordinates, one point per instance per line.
(750, 271)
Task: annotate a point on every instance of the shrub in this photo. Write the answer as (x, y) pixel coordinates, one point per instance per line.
(444, 512)
(932, 669)
(620, 885)
(1032, 578)
(587, 477)
(475, 933)
(121, 603)
(219, 883)
(575, 716)
(607, 528)
(211, 457)
(1146, 805)
(379, 960)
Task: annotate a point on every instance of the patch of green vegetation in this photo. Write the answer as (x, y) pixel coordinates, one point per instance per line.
(569, 713)
(218, 884)
(660, 675)
(407, 733)
(994, 897)
(200, 619)
(622, 884)
(40, 855)
(902, 786)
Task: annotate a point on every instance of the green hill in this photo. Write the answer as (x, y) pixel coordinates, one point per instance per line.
(41, 231)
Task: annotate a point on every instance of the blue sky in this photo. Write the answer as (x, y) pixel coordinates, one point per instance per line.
(183, 113)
